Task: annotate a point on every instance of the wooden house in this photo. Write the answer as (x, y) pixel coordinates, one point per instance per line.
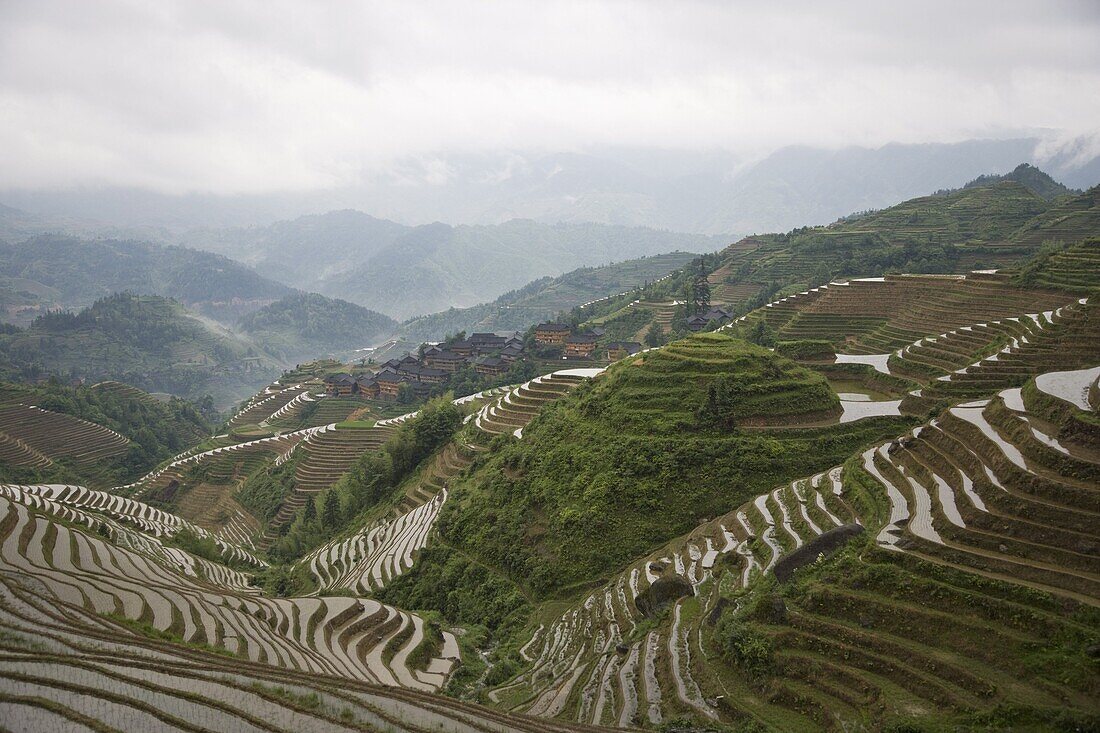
(447, 361)
(490, 366)
(486, 342)
(580, 345)
(389, 385)
(340, 384)
(367, 386)
(462, 348)
(551, 334)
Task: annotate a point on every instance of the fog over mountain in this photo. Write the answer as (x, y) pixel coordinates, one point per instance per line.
(710, 192)
(179, 115)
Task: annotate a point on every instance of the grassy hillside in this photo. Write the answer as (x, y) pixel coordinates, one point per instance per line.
(1075, 268)
(1030, 177)
(305, 325)
(997, 222)
(148, 341)
(640, 455)
(50, 272)
(541, 299)
(1067, 221)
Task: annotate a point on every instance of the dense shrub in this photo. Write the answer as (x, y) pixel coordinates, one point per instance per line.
(743, 645)
(807, 349)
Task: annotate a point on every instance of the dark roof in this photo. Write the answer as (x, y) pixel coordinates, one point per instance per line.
(392, 363)
(365, 381)
(448, 356)
(486, 338)
(339, 378)
(597, 331)
(512, 350)
(490, 361)
(429, 372)
(432, 350)
(464, 344)
(716, 314)
(390, 377)
(408, 359)
(631, 347)
(549, 326)
(581, 338)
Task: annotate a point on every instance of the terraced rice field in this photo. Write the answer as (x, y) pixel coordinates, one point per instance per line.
(374, 556)
(370, 558)
(33, 437)
(1066, 336)
(451, 461)
(509, 413)
(880, 315)
(333, 410)
(65, 668)
(222, 460)
(329, 453)
(270, 404)
(346, 637)
(124, 390)
(986, 493)
(589, 664)
(1075, 268)
(78, 501)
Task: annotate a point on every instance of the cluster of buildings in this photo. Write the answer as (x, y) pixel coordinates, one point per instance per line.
(582, 344)
(489, 354)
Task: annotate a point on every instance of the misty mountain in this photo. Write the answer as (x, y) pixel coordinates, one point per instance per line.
(711, 192)
(544, 298)
(407, 271)
(54, 271)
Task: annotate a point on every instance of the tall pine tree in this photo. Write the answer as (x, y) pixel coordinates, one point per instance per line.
(700, 291)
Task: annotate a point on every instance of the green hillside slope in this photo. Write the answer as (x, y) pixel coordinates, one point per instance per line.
(1067, 221)
(305, 325)
(995, 223)
(541, 299)
(640, 455)
(1029, 176)
(148, 341)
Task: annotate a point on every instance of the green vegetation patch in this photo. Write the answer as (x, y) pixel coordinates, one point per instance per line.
(631, 460)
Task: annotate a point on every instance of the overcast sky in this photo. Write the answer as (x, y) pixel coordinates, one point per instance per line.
(233, 96)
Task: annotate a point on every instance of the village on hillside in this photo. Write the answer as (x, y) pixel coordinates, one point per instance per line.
(479, 361)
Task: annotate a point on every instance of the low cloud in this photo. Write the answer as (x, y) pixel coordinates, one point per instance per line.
(252, 97)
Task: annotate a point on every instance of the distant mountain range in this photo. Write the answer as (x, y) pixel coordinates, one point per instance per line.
(407, 271)
(712, 192)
